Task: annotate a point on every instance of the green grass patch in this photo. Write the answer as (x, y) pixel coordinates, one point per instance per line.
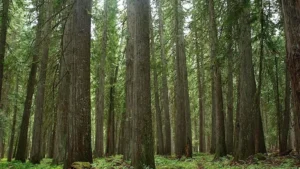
(45, 164)
(199, 161)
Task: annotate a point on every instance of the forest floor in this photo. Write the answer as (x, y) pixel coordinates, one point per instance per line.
(199, 161)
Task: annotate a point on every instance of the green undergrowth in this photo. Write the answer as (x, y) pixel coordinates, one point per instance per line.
(45, 164)
(199, 161)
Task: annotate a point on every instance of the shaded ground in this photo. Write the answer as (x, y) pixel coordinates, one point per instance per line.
(200, 161)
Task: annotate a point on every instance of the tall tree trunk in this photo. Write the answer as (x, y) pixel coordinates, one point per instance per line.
(122, 135)
(285, 118)
(79, 116)
(278, 101)
(229, 120)
(2, 152)
(3, 149)
(3, 33)
(122, 119)
(246, 141)
(101, 88)
(142, 138)
(165, 88)
(189, 143)
(158, 116)
(13, 128)
(183, 144)
(15, 147)
(196, 134)
(237, 119)
(21, 154)
(4, 113)
(296, 125)
(51, 141)
(220, 127)
(99, 115)
(1, 143)
(63, 98)
(292, 136)
(110, 144)
(260, 146)
(291, 8)
(213, 113)
(100, 92)
(274, 77)
(129, 80)
(40, 96)
(205, 140)
(200, 76)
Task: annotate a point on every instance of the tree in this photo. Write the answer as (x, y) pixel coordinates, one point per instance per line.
(22, 142)
(40, 96)
(3, 35)
(109, 52)
(129, 80)
(63, 98)
(285, 117)
(165, 88)
(13, 128)
(110, 141)
(200, 85)
(183, 134)
(291, 11)
(4, 112)
(260, 146)
(142, 139)
(79, 115)
(229, 120)
(237, 119)
(158, 115)
(246, 140)
(100, 88)
(220, 127)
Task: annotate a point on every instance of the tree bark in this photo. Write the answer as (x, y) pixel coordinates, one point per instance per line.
(142, 138)
(165, 88)
(220, 127)
(285, 118)
(246, 141)
(110, 144)
(200, 77)
(158, 116)
(183, 143)
(101, 88)
(229, 120)
(296, 125)
(286, 114)
(13, 128)
(22, 142)
(129, 79)
(3, 33)
(40, 96)
(291, 11)
(122, 135)
(237, 119)
(79, 116)
(51, 139)
(63, 98)
(4, 112)
(260, 146)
